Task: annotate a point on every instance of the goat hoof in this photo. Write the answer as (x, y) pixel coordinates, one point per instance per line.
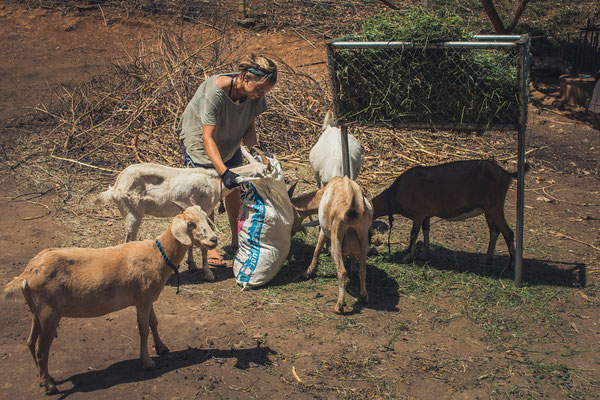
(339, 308)
(192, 268)
(407, 259)
(209, 276)
(365, 300)
(51, 388)
(161, 349)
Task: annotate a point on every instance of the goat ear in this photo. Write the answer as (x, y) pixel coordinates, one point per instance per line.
(316, 198)
(246, 154)
(328, 121)
(179, 229)
(291, 189)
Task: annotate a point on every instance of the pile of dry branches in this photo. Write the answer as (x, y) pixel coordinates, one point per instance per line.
(130, 116)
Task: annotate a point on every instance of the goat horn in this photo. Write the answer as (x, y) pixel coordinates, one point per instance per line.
(178, 206)
(291, 189)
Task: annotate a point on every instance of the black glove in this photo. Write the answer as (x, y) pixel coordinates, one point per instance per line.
(228, 179)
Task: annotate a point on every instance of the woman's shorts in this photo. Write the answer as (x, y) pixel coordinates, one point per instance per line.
(235, 161)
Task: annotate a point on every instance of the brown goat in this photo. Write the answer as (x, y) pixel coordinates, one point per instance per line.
(453, 191)
(85, 283)
(345, 215)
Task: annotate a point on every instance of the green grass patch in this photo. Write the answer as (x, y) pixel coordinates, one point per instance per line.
(486, 297)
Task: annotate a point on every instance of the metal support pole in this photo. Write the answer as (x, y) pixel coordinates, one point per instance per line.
(524, 47)
(335, 95)
(345, 157)
(336, 111)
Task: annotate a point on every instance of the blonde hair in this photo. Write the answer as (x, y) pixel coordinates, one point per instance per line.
(260, 68)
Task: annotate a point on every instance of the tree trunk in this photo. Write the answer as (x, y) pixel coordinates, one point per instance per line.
(499, 28)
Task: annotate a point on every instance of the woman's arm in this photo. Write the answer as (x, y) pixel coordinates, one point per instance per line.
(250, 139)
(208, 132)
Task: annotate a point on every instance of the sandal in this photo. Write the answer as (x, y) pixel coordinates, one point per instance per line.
(217, 262)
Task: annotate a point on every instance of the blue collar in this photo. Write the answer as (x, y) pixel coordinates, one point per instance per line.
(169, 263)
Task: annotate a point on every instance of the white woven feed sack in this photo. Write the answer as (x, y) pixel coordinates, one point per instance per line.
(264, 229)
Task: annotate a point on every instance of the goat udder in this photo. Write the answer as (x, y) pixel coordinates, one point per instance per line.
(351, 244)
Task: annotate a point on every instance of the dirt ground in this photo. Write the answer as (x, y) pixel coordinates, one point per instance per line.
(264, 344)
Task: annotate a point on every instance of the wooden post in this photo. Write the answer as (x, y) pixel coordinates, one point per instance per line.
(243, 7)
(345, 157)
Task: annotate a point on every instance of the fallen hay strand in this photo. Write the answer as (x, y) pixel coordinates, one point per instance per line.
(48, 212)
(562, 235)
(81, 163)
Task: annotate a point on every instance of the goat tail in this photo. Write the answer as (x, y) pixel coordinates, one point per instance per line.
(357, 204)
(104, 197)
(11, 289)
(514, 174)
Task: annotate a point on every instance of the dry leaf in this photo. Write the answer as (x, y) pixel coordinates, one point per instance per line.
(574, 327)
(544, 198)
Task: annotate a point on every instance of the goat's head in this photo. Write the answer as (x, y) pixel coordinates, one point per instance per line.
(192, 226)
(304, 205)
(254, 169)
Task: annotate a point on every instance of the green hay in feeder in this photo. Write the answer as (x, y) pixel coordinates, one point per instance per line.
(403, 86)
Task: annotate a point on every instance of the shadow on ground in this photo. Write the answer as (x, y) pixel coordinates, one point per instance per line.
(535, 271)
(130, 371)
(383, 290)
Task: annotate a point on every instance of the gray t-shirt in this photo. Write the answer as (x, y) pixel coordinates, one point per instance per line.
(212, 106)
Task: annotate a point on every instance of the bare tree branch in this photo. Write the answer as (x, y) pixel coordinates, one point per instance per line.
(488, 5)
(517, 16)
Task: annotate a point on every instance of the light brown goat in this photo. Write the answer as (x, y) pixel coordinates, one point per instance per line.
(84, 283)
(345, 215)
(453, 191)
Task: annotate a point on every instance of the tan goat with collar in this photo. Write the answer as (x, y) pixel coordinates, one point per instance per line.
(84, 283)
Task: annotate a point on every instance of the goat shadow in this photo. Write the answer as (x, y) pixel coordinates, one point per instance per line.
(187, 277)
(535, 271)
(130, 371)
(383, 290)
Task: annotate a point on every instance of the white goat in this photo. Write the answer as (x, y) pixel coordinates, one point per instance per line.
(159, 190)
(84, 283)
(326, 155)
(345, 216)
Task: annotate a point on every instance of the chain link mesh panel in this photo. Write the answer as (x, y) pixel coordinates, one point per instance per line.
(471, 85)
